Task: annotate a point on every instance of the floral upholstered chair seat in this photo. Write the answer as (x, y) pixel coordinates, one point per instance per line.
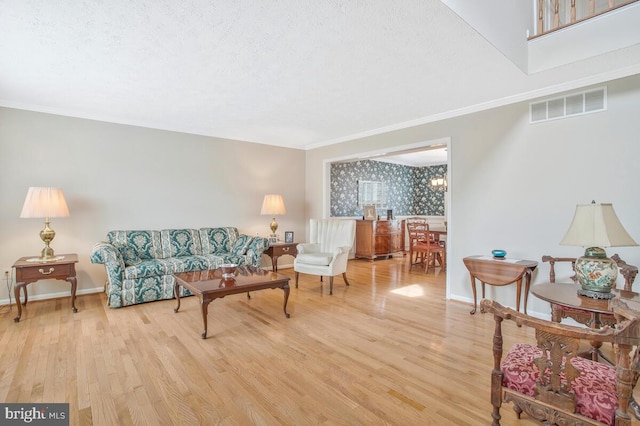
(594, 387)
(140, 264)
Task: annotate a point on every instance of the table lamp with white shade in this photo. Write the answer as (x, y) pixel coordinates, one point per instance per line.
(45, 203)
(595, 226)
(273, 205)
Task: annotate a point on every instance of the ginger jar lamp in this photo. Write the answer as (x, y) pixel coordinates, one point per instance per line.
(595, 226)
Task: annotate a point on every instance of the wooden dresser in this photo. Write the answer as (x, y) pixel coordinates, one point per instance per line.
(379, 238)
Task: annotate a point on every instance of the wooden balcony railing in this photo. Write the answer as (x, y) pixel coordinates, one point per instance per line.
(557, 14)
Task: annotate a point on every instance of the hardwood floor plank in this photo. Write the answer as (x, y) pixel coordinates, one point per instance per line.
(389, 349)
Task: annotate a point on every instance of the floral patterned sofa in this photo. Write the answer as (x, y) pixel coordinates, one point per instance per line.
(140, 264)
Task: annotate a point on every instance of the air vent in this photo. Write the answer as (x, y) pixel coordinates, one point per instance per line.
(568, 106)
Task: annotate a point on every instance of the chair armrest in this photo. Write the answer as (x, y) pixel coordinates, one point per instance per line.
(308, 248)
(341, 250)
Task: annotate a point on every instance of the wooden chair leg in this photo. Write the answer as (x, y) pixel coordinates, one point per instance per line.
(344, 277)
(297, 273)
(331, 285)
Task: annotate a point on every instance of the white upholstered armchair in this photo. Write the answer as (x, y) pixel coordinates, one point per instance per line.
(327, 252)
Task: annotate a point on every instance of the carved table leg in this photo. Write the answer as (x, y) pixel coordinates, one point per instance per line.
(74, 285)
(475, 297)
(176, 294)
(204, 303)
(285, 288)
(16, 292)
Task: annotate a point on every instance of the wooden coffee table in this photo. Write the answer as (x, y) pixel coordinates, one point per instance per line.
(210, 285)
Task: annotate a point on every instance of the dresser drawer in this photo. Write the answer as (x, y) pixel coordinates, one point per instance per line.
(387, 226)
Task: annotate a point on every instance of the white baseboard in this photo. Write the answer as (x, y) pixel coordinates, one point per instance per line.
(54, 295)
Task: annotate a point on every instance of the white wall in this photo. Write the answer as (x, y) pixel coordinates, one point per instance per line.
(515, 186)
(124, 177)
(504, 23)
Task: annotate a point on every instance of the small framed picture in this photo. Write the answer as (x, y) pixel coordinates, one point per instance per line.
(273, 240)
(369, 212)
(288, 236)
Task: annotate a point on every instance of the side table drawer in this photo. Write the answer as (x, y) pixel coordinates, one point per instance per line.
(282, 250)
(43, 272)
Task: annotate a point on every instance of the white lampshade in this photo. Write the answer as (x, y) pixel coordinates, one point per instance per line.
(596, 225)
(43, 202)
(273, 205)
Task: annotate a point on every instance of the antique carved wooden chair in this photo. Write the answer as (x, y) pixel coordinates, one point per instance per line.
(549, 382)
(558, 312)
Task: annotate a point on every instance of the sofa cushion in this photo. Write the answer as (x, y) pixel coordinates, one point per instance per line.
(180, 242)
(129, 254)
(217, 240)
(242, 244)
(173, 265)
(147, 243)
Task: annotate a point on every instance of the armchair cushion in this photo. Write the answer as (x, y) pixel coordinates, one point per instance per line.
(323, 259)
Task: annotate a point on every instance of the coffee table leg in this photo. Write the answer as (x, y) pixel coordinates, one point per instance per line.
(176, 294)
(285, 288)
(205, 311)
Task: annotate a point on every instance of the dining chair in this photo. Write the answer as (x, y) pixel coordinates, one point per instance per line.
(416, 232)
(424, 246)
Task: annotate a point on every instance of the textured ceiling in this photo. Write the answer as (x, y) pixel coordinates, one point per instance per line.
(294, 73)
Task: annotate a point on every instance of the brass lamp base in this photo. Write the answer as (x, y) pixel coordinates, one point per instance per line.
(596, 274)
(274, 227)
(47, 235)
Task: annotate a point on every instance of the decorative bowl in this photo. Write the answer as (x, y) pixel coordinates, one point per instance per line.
(228, 269)
(498, 254)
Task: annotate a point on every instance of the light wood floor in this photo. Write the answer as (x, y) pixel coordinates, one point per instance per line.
(386, 350)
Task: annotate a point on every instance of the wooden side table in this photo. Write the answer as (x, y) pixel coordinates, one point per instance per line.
(29, 272)
(276, 250)
(500, 272)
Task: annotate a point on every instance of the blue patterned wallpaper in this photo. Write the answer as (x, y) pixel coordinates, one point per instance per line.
(408, 189)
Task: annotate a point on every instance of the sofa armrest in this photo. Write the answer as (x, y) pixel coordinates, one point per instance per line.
(308, 248)
(107, 254)
(255, 250)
